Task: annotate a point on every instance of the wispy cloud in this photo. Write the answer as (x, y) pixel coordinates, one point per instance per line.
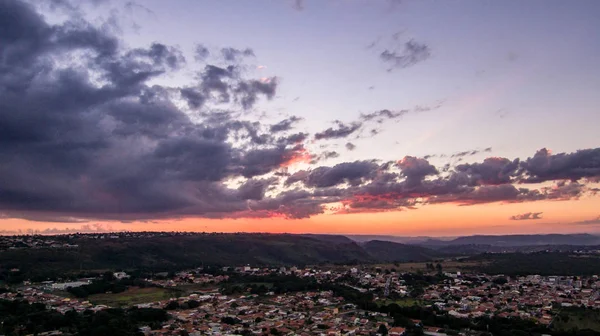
(527, 216)
(593, 221)
(411, 53)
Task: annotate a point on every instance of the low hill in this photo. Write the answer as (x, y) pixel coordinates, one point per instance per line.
(490, 240)
(396, 239)
(162, 252)
(527, 240)
(177, 252)
(336, 239)
(392, 252)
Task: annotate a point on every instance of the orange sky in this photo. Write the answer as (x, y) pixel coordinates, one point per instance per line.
(430, 220)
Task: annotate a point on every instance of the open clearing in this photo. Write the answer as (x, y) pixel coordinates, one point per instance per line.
(447, 266)
(577, 319)
(403, 302)
(133, 296)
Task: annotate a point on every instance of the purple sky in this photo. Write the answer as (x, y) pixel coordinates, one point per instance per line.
(111, 114)
(512, 75)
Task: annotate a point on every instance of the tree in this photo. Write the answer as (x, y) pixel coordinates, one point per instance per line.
(193, 304)
(383, 330)
(230, 320)
(500, 281)
(438, 267)
(108, 276)
(172, 305)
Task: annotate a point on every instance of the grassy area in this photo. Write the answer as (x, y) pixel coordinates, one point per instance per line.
(190, 288)
(447, 266)
(577, 319)
(404, 302)
(133, 296)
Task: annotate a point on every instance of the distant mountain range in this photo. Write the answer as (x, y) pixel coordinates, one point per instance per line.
(396, 239)
(501, 240)
(491, 243)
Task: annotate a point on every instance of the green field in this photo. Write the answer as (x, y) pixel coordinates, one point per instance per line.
(577, 319)
(190, 288)
(404, 302)
(133, 296)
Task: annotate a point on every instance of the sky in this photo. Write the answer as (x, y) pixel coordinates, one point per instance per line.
(399, 117)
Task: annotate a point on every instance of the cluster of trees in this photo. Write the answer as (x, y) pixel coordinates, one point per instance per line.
(542, 263)
(19, 317)
(106, 284)
(190, 304)
(277, 283)
(431, 267)
(569, 319)
(496, 326)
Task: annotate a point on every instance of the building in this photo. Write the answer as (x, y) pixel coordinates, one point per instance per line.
(65, 285)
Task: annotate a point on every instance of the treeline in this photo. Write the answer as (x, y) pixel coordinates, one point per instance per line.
(106, 284)
(275, 282)
(542, 263)
(496, 326)
(19, 317)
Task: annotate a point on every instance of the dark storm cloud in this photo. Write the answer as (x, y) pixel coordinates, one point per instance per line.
(235, 55)
(353, 173)
(350, 146)
(215, 80)
(285, 124)
(254, 189)
(247, 92)
(193, 97)
(74, 148)
(488, 182)
(465, 195)
(324, 156)
(201, 52)
(341, 131)
(527, 216)
(544, 166)
(161, 54)
(262, 161)
(560, 191)
(415, 169)
(225, 84)
(293, 139)
(412, 52)
(492, 170)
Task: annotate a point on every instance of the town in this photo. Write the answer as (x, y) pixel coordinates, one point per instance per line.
(245, 300)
